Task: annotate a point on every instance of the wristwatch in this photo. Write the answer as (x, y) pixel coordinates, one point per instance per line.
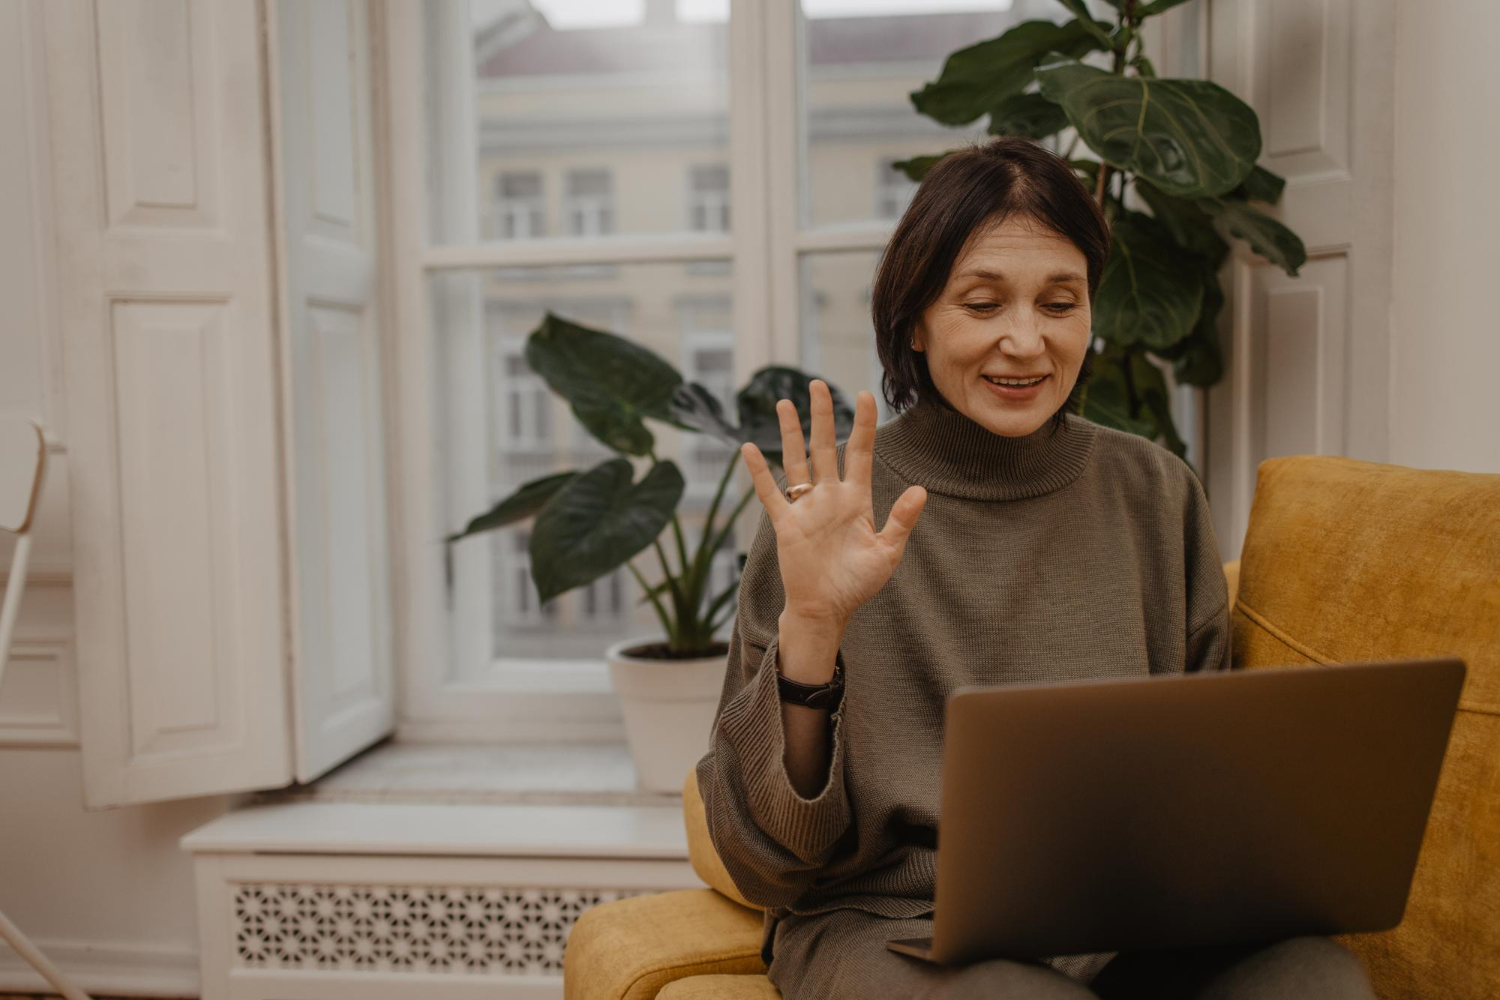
(813, 695)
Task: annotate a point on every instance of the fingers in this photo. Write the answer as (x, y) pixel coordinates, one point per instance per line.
(766, 489)
(860, 448)
(903, 518)
(793, 458)
(825, 462)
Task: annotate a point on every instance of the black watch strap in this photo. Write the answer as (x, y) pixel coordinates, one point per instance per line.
(813, 695)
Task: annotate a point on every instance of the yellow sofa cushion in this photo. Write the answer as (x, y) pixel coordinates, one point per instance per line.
(1347, 561)
(701, 851)
(630, 948)
(721, 988)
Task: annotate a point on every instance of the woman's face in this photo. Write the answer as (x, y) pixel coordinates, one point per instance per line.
(1016, 307)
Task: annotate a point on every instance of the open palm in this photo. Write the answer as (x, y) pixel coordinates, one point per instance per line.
(832, 558)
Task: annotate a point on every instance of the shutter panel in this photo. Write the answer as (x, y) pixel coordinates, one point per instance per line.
(343, 676)
(158, 129)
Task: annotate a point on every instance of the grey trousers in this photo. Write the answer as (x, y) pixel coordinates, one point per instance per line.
(842, 954)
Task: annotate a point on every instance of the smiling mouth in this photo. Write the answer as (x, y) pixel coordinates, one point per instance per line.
(1016, 382)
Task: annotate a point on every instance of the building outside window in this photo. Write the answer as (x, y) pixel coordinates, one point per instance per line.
(590, 205)
(619, 132)
(708, 198)
(518, 212)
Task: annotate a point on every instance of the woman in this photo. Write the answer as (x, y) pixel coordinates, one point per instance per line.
(1049, 548)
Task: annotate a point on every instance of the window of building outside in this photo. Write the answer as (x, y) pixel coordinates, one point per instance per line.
(609, 125)
(708, 198)
(518, 212)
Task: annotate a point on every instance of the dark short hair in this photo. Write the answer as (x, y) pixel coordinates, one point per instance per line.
(964, 192)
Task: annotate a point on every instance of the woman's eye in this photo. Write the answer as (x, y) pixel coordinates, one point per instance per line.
(1059, 307)
(981, 306)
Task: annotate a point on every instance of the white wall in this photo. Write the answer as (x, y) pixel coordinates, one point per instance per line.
(107, 895)
(1445, 336)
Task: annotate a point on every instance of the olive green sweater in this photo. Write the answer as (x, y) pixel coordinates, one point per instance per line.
(1077, 551)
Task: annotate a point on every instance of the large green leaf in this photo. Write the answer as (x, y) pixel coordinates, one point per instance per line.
(1267, 237)
(1191, 229)
(1155, 401)
(1260, 185)
(1098, 29)
(916, 168)
(696, 407)
(977, 78)
(1150, 292)
(1197, 359)
(1089, 169)
(1107, 398)
(757, 408)
(1191, 138)
(524, 502)
(598, 521)
(611, 383)
(1156, 7)
(1029, 115)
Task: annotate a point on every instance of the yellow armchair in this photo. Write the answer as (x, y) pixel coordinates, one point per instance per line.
(1343, 561)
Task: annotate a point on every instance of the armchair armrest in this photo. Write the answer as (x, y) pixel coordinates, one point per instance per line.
(701, 851)
(629, 949)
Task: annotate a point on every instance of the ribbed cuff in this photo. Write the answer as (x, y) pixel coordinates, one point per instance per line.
(751, 722)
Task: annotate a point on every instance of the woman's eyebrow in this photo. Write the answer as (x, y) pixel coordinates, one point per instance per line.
(1058, 278)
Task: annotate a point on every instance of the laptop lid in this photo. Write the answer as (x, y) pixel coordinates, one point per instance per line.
(1186, 809)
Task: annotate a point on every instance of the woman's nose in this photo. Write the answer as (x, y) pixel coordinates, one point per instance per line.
(1021, 338)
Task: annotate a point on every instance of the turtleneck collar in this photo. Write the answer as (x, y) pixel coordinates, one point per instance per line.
(946, 452)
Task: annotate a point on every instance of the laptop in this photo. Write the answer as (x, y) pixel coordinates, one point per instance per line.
(1184, 810)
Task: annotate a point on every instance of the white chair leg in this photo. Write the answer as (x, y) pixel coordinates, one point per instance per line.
(10, 608)
(13, 936)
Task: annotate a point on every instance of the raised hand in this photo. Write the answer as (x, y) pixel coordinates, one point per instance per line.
(832, 558)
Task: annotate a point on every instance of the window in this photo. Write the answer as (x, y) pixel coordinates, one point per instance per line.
(708, 359)
(590, 208)
(708, 198)
(621, 130)
(518, 212)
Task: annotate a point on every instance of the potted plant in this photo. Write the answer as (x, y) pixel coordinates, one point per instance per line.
(1186, 149)
(589, 523)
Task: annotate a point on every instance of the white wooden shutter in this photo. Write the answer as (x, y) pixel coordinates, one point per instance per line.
(1307, 367)
(344, 688)
(158, 128)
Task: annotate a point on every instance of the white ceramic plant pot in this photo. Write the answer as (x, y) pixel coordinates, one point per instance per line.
(669, 708)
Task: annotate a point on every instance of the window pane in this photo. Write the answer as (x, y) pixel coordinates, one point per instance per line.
(567, 118)
(838, 339)
(862, 58)
(501, 426)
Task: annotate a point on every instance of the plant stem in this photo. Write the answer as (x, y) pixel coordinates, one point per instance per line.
(675, 630)
(661, 612)
(1104, 168)
(703, 558)
(729, 523)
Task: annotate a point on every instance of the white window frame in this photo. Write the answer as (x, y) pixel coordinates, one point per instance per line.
(572, 700)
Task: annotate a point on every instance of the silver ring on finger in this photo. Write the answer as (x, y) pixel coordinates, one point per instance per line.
(793, 492)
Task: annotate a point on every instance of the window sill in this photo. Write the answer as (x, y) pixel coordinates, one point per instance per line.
(545, 774)
(501, 801)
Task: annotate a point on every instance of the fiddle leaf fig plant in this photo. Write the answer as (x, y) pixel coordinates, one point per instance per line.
(588, 523)
(1175, 174)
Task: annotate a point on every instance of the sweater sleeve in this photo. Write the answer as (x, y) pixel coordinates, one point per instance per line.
(1207, 620)
(772, 840)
